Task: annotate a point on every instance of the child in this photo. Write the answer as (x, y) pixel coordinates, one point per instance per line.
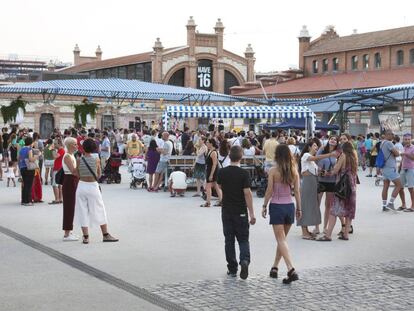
(10, 174)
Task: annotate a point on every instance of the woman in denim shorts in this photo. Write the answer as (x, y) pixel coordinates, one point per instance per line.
(282, 178)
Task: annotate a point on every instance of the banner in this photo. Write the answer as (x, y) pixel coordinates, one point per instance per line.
(390, 121)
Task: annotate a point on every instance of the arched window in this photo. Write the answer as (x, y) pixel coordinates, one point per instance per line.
(377, 60)
(229, 81)
(365, 61)
(325, 65)
(400, 58)
(315, 66)
(335, 64)
(412, 56)
(354, 62)
(177, 78)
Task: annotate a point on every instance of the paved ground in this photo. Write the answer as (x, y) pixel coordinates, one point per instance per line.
(171, 250)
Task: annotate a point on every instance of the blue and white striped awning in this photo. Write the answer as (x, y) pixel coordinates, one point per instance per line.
(238, 112)
(121, 89)
(243, 112)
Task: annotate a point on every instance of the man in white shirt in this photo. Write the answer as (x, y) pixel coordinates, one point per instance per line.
(177, 183)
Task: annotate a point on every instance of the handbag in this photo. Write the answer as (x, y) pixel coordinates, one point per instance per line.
(343, 187)
(92, 172)
(60, 177)
(30, 166)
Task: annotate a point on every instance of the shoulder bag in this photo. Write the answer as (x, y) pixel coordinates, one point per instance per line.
(343, 187)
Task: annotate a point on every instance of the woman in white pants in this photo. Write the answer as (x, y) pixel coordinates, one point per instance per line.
(89, 207)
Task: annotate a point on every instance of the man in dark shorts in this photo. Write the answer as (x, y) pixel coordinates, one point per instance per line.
(237, 199)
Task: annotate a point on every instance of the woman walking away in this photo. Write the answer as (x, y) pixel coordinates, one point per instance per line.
(70, 183)
(211, 172)
(153, 157)
(223, 154)
(200, 165)
(26, 160)
(89, 206)
(311, 213)
(347, 164)
(282, 178)
(13, 149)
(48, 159)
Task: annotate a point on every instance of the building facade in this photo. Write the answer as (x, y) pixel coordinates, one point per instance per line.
(331, 64)
(201, 63)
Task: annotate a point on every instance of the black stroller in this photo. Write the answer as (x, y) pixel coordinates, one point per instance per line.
(111, 173)
(261, 181)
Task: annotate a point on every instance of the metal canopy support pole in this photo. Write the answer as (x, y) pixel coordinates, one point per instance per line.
(341, 117)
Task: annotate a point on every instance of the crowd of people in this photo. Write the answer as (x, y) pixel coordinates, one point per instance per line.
(72, 162)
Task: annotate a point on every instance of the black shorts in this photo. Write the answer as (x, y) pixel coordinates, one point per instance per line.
(372, 161)
(326, 187)
(281, 214)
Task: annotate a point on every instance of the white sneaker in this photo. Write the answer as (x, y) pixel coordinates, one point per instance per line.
(70, 237)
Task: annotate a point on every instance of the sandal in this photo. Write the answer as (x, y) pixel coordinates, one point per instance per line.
(273, 272)
(54, 202)
(85, 239)
(324, 239)
(409, 210)
(218, 203)
(205, 205)
(341, 232)
(291, 276)
(342, 237)
(196, 195)
(308, 237)
(109, 238)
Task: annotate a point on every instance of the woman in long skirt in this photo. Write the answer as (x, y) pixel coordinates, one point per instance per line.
(311, 213)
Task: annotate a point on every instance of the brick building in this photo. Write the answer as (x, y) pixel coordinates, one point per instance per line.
(330, 64)
(201, 63)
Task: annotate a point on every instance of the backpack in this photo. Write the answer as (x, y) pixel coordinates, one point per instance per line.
(380, 161)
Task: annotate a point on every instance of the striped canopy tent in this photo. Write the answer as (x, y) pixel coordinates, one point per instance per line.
(120, 89)
(362, 99)
(242, 112)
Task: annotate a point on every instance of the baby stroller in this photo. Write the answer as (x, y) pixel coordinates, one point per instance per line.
(138, 168)
(111, 171)
(261, 181)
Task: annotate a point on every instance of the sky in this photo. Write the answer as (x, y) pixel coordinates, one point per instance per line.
(49, 29)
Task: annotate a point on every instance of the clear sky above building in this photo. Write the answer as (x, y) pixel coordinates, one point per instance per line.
(50, 28)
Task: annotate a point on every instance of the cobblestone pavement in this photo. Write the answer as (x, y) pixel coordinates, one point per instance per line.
(387, 286)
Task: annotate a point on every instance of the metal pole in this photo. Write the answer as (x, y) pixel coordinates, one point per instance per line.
(341, 116)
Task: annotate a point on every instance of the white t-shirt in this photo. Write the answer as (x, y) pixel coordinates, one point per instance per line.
(294, 149)
(168, 147)
(234, 141)
(310, 166)
(178, 180)
(249, 152)
(223, 161)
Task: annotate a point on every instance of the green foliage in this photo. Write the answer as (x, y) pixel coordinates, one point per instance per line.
(10, 112)
(82, 110)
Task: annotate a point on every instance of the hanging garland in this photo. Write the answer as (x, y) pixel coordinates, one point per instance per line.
(10, 112)
(81, 111)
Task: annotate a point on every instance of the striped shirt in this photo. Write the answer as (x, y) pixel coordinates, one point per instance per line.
(83, 169)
